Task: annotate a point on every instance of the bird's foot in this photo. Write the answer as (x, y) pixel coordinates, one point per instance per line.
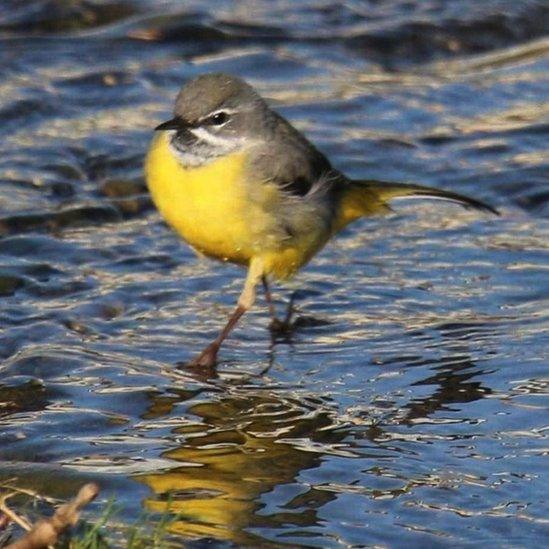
(284, 327)
(281, 327)
(207, 358)
(287, 327)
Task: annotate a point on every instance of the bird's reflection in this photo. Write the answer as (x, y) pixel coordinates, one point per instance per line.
(456, 378)
(248, 443)
(453, 382)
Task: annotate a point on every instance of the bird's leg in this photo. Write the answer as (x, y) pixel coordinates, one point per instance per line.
(269, 300)
(276, 325)
(208, 357)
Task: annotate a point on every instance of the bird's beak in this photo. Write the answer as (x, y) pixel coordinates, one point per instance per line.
(173, 124)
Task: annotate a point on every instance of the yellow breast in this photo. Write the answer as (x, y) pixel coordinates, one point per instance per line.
(207, 205)
(224, 214)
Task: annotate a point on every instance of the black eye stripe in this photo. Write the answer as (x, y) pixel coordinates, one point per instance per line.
(216, 119)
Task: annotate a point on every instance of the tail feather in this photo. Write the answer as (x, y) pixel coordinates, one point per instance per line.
(361, 198)
(389, 191)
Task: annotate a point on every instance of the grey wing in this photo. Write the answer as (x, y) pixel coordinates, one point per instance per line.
(291, 161)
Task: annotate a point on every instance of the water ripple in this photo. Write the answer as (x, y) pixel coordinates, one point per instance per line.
(410, 402)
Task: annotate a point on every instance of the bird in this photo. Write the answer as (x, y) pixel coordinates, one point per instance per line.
(239, 183)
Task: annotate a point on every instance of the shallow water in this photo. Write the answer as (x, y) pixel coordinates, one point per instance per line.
(411, 409)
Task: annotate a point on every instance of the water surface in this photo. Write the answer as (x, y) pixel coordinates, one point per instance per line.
(410, 409)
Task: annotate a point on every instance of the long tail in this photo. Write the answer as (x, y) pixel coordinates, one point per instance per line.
(387, 191)
(365, 197)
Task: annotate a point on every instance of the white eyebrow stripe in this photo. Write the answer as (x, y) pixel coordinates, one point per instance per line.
(204, 135)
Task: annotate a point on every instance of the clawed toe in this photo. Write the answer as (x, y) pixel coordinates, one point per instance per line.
(281, 327)
(288, 327)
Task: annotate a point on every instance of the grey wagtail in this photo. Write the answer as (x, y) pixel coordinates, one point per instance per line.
(239, 183)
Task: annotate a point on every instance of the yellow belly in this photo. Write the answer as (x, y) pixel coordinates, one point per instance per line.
(207, 205)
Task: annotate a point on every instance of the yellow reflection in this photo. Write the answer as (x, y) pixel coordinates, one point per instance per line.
(240, 455)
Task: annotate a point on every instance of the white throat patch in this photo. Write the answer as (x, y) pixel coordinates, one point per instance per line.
(206, 148)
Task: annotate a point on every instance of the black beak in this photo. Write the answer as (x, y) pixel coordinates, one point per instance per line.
(173, 124)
